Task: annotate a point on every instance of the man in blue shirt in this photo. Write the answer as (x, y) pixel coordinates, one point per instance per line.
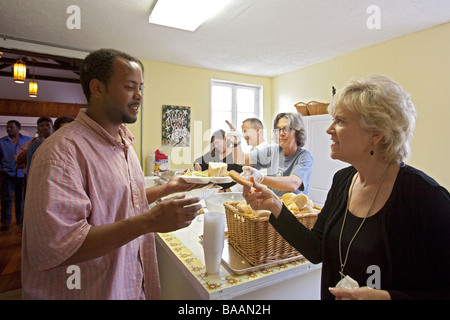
(11, 177)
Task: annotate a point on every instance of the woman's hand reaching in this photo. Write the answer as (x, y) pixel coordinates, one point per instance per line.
(259, 197)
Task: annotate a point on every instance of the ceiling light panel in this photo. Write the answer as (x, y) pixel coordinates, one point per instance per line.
(185, 14)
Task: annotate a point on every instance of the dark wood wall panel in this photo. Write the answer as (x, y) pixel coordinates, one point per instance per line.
(27, 108)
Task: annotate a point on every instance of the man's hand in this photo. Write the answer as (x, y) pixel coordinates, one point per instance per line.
(177, 184)
(174, 185)
(169, 215)
(233, 134)
(232, 127)
(172, 214)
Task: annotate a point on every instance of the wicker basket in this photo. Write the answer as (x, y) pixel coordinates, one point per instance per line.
(256, 240)
(315, 108)
(302, 108)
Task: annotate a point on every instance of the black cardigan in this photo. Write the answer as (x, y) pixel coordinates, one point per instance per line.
(415, 227)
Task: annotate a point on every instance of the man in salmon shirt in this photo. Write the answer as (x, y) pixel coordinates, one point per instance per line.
(88, 228)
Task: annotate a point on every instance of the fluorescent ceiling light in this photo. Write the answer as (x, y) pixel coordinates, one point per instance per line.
(185, 14)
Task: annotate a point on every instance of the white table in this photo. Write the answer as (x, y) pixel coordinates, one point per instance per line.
(183, 275)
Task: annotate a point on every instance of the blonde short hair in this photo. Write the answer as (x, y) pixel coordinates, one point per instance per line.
(384, 107)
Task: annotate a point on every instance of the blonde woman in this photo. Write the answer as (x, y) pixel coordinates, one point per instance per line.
(384, 224)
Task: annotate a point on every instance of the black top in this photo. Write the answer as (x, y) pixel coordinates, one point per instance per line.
(204, 161)
(365, 251)
(411, 247)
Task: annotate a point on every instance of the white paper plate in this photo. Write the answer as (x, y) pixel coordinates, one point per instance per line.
(221, 180)
(196, 180)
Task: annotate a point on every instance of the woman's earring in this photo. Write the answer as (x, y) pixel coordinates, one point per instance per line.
(371, 152)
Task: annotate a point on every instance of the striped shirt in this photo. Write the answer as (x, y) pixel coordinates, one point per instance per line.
(82, 177)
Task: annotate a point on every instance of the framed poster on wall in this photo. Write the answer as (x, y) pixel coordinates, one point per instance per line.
(176, 126)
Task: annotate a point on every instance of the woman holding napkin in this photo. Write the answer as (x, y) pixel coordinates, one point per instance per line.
(383, 231)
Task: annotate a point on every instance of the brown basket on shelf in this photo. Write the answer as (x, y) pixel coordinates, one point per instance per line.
(315, 108)
(302, 108)
(256, 240)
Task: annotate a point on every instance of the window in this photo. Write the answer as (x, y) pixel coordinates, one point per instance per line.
(234, 102)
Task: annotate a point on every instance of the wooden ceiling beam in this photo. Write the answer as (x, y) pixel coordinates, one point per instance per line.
(40, 55)
(38, 77)
(30, 64)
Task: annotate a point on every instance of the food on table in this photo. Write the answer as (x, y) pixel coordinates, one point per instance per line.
(217, 169)
(216, 173)
(244, 208)
(298, 203)
(237, 177)
(190, 173)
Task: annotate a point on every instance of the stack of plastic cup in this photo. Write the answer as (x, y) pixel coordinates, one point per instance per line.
(213, 240)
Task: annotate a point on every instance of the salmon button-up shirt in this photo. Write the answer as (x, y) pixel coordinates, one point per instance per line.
(82, 177)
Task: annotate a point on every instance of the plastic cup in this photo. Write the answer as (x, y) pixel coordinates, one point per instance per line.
(213, 240)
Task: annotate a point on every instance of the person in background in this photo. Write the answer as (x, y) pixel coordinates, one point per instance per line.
(59, 123)
(87, 209)
(253, 133)
(11, 176)
(62, 121)
(288, 165)
(220, 151)
(384, 224)
(44, 130)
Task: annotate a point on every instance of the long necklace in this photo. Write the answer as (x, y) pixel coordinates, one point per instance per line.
(360, 226)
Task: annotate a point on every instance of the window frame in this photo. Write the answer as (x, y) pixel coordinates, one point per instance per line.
(258, 108)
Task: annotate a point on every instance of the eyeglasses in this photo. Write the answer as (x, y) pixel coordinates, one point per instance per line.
(285, 130)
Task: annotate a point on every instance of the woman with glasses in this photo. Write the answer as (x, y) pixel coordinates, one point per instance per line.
(288, 164)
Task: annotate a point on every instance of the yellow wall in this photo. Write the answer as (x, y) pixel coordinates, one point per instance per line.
(419, 61)
(168, 84)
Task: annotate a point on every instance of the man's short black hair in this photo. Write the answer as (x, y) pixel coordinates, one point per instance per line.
(17, 123)
(100, 65)
(44, 119)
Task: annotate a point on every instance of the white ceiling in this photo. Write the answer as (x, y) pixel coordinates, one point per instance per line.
(254, 37)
